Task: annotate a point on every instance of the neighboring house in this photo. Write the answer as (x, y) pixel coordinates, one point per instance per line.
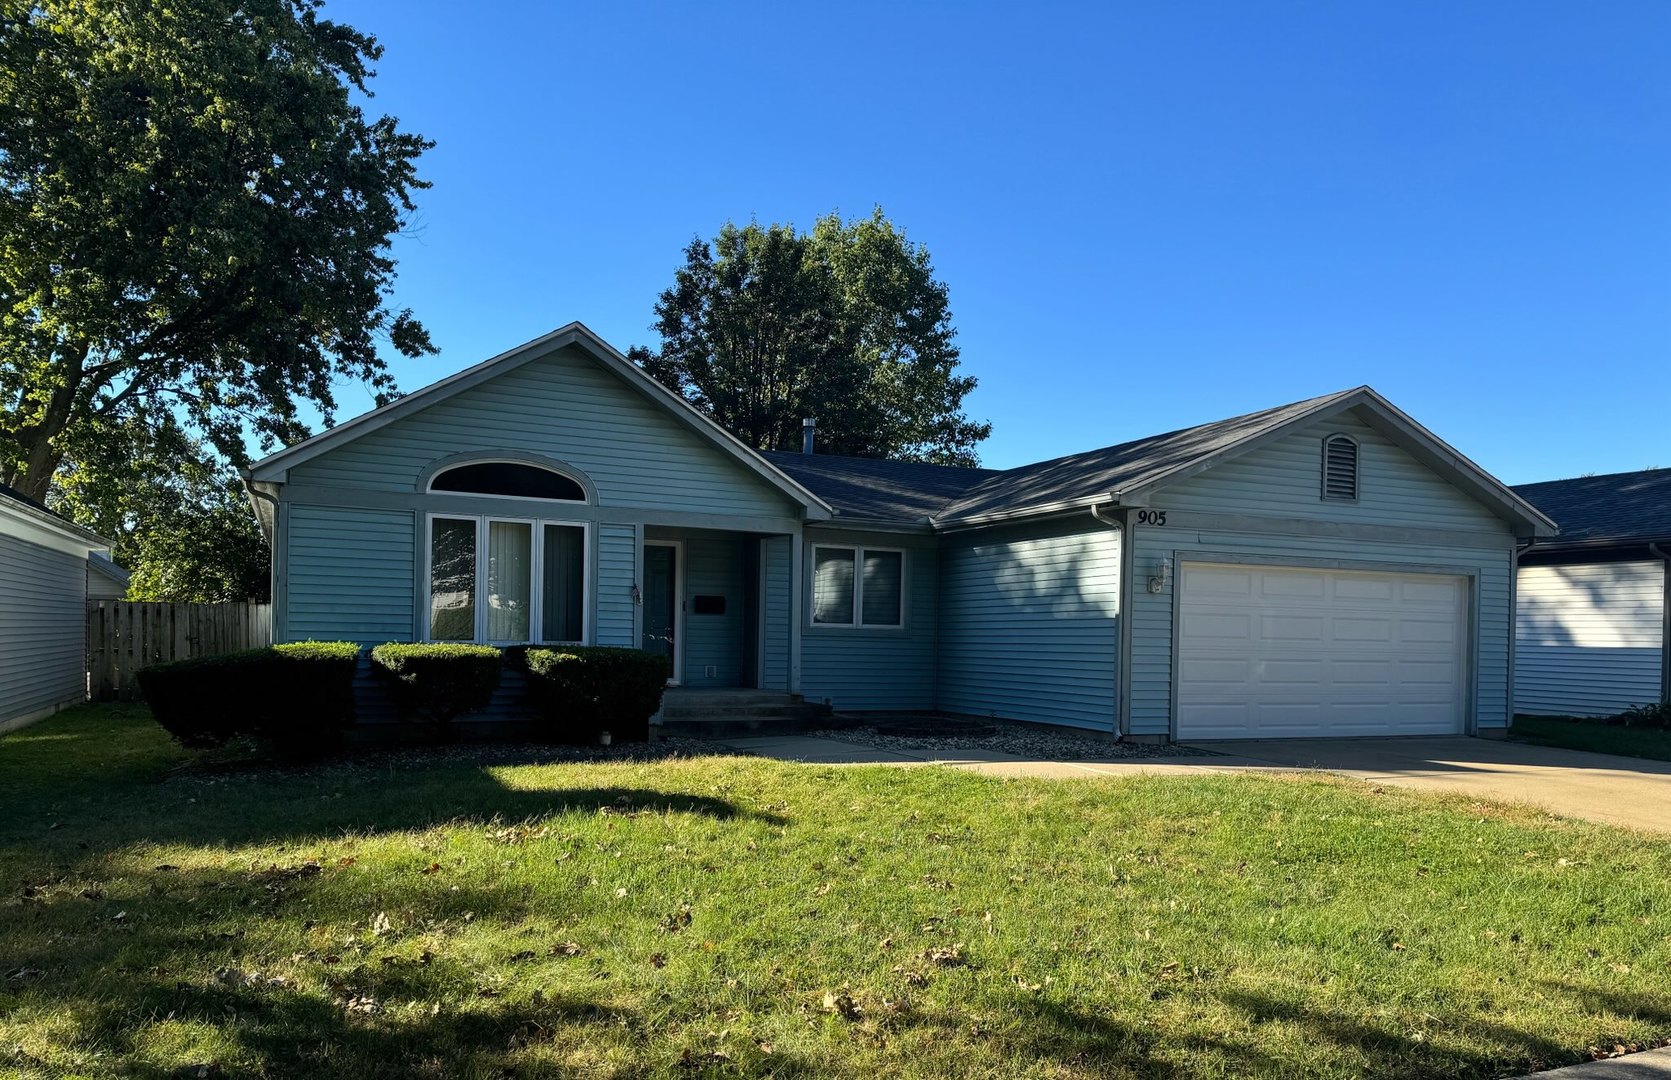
(1324, 568)
(1592, 605)
(106, 580)
(44, 568)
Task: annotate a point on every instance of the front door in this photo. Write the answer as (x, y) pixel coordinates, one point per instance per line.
(662, 603)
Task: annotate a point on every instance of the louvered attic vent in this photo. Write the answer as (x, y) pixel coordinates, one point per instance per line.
(1340, 468)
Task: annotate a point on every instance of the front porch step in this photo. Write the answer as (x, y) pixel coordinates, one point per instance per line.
(711, 711)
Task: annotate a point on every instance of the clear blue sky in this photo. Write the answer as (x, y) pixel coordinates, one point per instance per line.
(1149, 214)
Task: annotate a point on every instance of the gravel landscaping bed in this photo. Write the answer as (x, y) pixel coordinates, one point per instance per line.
(1023, 740)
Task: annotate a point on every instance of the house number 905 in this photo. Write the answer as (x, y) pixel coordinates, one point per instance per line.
(1151, 517)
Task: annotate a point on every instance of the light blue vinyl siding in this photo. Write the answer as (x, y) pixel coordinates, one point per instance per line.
(1150, 614)
(617, 573)
(1589, 638)
(1284, 480)
(1029, 624)
(352, 575)
(775, 557)
(43, 627)
(860, 669)
(566, 407)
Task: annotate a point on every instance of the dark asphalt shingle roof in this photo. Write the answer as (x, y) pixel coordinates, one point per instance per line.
(1097, 473)
(18, 496)
(13, 495)
(1618, 506)
(908, 491)
(876, 489)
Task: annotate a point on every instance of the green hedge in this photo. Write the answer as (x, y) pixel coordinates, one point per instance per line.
(436, 683)
(578, 693)
(299, 696)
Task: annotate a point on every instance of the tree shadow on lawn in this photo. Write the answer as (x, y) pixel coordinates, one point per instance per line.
(315, 807)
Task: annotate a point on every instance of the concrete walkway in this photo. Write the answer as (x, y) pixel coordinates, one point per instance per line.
(1648, 1065)
(1632, 792)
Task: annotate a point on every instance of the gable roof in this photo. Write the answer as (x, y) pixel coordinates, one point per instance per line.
(1124, 473)
(1101, 476)
(877, 489)
(1615, 508)
(275, 467)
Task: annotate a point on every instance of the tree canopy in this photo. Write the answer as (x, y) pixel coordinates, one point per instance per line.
(195, 221)
(766, 325)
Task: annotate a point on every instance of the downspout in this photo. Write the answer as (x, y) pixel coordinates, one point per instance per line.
(1120, 622)
(1665, 624)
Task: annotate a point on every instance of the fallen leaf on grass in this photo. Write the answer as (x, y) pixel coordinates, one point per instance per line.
(946, 955)
(565, 948)
(432, 868)
(841, 1004)
(525, 954)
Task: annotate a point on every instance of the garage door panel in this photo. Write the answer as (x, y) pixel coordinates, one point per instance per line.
(1291, 585)
(1285, 652)
(1364, 589)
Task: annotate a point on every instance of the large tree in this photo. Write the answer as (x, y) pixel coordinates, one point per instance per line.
(847, 323)
(195, 221)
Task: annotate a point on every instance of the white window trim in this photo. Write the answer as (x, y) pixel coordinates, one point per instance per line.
(536, 597)
(858, 551)
(585, 498)
(1357, 469)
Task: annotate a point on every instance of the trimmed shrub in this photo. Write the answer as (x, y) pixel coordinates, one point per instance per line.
(1644, 716)
(436, 683)
(579, 693)
(313, 688)
(297, 696)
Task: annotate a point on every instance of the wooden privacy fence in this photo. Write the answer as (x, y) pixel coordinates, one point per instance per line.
(124, 636)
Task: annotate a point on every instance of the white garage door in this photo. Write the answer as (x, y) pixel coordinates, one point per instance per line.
(1269, 652)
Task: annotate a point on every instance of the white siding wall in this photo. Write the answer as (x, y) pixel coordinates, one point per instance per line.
(43, 628)
(1029, 624)
(1589, 638)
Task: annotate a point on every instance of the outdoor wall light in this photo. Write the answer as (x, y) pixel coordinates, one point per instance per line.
(1162, 577)
(637, 597)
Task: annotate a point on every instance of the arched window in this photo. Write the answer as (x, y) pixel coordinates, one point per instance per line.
(512, 479)
(1340, 468)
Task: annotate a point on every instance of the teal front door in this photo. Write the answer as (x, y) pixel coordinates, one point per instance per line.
(662, 604)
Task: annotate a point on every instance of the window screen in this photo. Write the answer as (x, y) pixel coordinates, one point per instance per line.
(883, 571)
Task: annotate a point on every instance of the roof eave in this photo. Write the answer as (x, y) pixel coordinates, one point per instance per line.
(61, 525)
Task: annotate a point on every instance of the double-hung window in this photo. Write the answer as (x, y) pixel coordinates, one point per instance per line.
(506, 580)
(858, 586)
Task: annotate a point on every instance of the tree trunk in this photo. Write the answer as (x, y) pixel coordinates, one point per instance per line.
(40, 441)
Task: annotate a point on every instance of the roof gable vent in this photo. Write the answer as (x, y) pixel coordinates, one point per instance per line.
(1340, 468)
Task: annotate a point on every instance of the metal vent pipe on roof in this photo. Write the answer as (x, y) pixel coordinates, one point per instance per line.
(809, 428)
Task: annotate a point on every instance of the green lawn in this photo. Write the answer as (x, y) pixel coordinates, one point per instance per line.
(726, 916)
(1599, 738)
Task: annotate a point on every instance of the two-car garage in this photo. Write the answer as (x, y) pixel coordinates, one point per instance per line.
(1294, 652)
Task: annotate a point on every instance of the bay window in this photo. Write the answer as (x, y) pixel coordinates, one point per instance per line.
(506, 580)
(858, 586)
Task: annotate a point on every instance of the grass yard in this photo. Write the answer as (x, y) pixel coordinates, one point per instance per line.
(725, 916)
(1641, 742)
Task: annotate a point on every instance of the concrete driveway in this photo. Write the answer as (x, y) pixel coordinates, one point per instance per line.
(1601, 787)
(1633, 792)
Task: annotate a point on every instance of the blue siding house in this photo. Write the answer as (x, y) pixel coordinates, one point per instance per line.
(46, 565)
(1327, 567)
